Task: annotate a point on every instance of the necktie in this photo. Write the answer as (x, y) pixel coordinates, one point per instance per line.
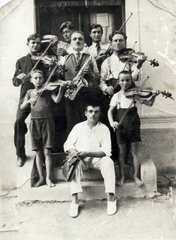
(78, 56)
(98, 47)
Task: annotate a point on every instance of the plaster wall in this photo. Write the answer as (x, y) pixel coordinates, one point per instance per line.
(17, 22)
(159, 145)
(152, 25)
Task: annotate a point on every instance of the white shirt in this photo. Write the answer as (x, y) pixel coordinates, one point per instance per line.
(93, 48)
(111, 68)
(83, 138)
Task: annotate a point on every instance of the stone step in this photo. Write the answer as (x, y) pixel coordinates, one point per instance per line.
(91, 190)
(93, 174)
(93, 186)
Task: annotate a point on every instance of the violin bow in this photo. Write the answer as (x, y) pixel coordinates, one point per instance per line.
(125, 113)
(41, 56)
(45, 84)
(125, 22)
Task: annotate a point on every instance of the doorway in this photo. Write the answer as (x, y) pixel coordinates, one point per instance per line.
(51, 14)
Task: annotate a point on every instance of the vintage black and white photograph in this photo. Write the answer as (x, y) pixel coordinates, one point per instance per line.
(88, 119)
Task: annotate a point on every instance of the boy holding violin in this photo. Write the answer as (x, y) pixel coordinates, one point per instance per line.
(42, 126)
(21, 78)
(126, 123)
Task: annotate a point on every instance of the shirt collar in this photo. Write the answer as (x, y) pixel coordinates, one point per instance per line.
(114, 56)
(75, 52)
(94, 44)
(94, 128)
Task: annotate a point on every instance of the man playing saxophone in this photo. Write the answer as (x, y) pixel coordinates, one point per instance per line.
(82, 69)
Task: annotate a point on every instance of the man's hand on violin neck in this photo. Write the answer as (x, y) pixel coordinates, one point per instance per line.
(64, 84)
(110, 90)
(155, 93)
(54, 39)
(140, 60)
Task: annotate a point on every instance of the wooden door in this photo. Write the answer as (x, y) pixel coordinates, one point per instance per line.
(51, 14)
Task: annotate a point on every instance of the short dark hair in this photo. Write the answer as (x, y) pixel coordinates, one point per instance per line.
(124, 72)
(95, 25)
(36, 71)
(77, 31)
(93, 103)
(33, 37)
(66, 24)
(117, 32)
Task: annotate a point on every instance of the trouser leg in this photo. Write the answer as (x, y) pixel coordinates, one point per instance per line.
(106, 166)
(75, 112)
(75, 184)
(20, 129)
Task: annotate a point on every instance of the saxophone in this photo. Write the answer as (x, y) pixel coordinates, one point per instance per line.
(77, 83)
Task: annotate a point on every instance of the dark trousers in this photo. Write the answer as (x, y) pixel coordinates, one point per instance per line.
(75, 112)
(20, 129)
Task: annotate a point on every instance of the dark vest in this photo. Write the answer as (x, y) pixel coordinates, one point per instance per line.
(73, 67)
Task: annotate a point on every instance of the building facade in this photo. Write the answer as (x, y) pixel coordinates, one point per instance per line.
(152, 26)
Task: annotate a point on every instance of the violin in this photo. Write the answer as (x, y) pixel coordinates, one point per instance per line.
(146, 93)
(102, 55)
(128, 54)
(46, 59)
(50, 61)
(51, 86)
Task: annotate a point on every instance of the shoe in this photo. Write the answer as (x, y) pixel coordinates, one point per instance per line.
(111, 207)
(21, 161)
(73, 211)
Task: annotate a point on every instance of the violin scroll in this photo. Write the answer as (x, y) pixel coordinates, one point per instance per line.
(167, 94)
(154, 63)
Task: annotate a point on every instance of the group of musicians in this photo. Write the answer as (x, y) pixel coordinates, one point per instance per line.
(98, 67)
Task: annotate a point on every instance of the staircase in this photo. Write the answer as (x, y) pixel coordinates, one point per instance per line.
(92, 182)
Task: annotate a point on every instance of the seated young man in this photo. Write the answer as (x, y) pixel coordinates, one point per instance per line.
(90, 140)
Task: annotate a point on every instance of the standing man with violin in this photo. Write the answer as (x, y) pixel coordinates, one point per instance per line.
(81, 68)
(24, 66)
(119, 60)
